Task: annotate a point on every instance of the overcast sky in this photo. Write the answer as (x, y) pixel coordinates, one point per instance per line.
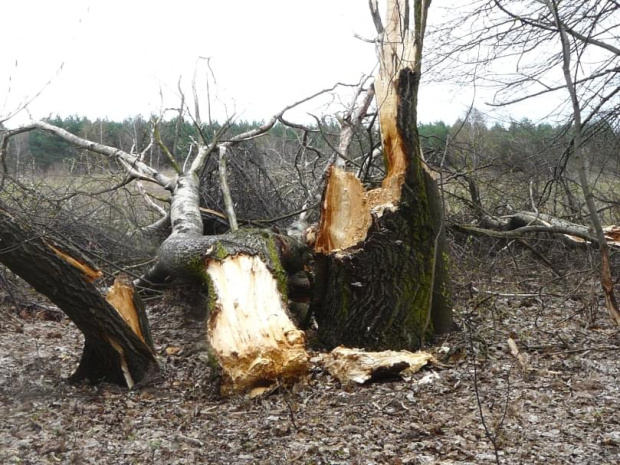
(110, 58)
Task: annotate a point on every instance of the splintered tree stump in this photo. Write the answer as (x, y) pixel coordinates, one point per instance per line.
(249, 330)
(382, 277)
(127, 302)
(252, 338)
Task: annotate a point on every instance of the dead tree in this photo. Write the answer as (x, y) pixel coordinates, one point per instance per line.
(607, 282)
(547, 37)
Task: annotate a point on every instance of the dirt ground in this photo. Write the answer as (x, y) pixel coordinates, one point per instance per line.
(556, 401)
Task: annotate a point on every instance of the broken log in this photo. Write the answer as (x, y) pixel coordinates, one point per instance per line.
(358, 366)
(252, 339)
(113, 352)
(521, 223)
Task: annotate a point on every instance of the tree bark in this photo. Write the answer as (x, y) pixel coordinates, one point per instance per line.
(253, 341)
(113, 352)
(382, 270)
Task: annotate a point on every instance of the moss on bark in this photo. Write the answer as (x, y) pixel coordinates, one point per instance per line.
(377, 294)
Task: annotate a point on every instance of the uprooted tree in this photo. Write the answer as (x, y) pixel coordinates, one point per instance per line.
(381, 270)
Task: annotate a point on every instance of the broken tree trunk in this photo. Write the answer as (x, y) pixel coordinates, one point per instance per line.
(117, 344)
(251, 336)
(249, 330)
(382, 276)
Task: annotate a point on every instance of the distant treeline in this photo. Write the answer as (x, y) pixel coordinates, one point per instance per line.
(519, 146)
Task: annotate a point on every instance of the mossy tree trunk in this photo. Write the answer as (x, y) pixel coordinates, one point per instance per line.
(253, 341)
(382, 269)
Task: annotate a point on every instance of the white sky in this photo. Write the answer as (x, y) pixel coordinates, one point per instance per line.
(110, 58)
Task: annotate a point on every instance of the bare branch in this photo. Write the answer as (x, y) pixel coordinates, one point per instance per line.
(350, 123)
(228, 202)
(132, 163)
(606, 277)
(275, 118)
(376, 16)
(205, 150)
(162, 146)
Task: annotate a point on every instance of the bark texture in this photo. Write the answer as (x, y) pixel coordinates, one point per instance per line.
(382, 271)
(253, 340)
(377, 294)
(112, 351)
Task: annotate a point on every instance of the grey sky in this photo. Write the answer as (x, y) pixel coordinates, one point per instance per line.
(110, 58)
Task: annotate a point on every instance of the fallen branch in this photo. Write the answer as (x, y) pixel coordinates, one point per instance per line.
(520, 232)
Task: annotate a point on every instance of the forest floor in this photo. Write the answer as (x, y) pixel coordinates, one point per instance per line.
(557, 402)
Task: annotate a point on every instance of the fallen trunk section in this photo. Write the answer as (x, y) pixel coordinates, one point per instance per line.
(251, 336)
(521, 223)
(113, 352)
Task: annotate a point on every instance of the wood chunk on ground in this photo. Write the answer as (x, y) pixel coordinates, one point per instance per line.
(249, 330)
(357, 366)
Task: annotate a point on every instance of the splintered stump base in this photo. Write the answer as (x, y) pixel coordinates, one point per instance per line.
(382, 278)
(251, 335)
(378, 263)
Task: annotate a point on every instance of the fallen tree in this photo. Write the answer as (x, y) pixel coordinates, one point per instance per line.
(117, 343)
(382, 278)
(519, 224)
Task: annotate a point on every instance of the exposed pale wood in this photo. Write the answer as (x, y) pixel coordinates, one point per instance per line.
(396, 52)
(345, 216)
(121, 297)
(399, 49)
(358, 366)
(514, 350)
(380, 254)
(123, 360)
(90, 273)
(250, 333)
(612, 233)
